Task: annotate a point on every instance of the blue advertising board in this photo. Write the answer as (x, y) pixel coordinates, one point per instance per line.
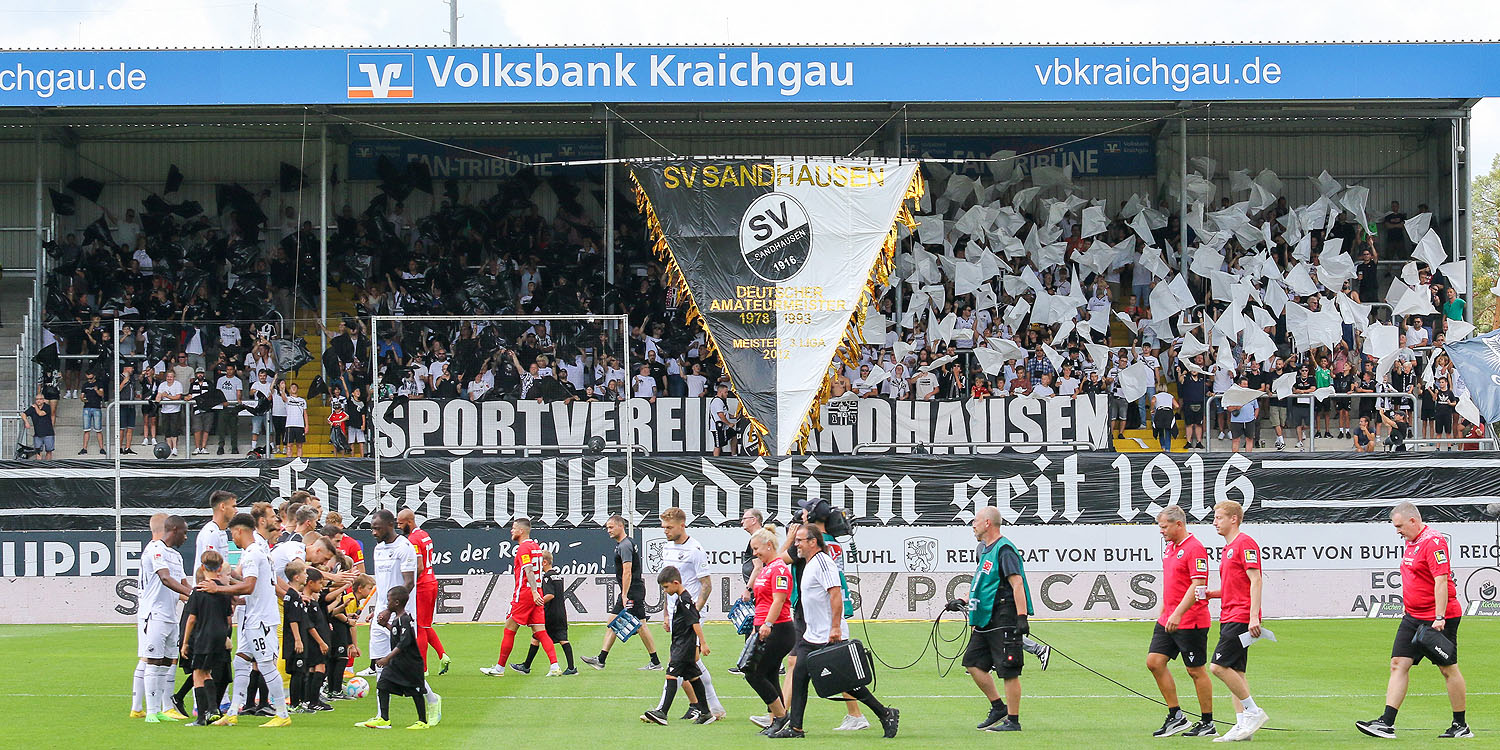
(748, 74)
(1102, 156)
(463, 160)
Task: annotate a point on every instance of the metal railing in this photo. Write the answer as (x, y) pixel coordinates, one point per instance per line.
(919, 448)
(5, 444)
(1482, 443)
(524, 449)
(1312, 412)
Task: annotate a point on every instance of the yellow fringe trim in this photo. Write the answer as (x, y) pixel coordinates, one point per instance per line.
(847, 352)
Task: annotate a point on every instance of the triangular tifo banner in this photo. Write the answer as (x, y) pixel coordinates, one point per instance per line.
(779, 258)
(1478, 361)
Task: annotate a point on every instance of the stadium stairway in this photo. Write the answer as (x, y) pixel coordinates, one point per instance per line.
(15, 302)
(340, 305)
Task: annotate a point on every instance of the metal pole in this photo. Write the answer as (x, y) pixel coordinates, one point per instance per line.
(115, 437)
(375, 397)
(1463, 218)
(452, 23)
(623, 419)
(38, 283)
(609, 207)
(1312, 423)
(323, 234)
(1182, 202)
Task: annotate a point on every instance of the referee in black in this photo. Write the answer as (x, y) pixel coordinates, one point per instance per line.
(632, 596)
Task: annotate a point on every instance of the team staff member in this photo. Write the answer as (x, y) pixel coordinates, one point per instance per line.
(822, 595)
(1431, 599)
(772, 590)
(632, 587)
(996, 622)
(427, 589)
(1240, 590)
(1182, 627)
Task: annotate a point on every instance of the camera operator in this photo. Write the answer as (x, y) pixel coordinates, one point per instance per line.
(996, 622)
(1399, 424)
(725, 433)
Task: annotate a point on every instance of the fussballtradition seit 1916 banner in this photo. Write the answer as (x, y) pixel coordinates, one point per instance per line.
(778, 258)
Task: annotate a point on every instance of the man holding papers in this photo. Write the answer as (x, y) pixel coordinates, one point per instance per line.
(1239, 614)
(1182, 628)
(1429, 628)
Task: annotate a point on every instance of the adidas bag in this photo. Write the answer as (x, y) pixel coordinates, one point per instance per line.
(751, 653)
(1435, 645)
(839, 668)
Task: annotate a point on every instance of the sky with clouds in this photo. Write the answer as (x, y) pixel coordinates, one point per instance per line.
(297, 23)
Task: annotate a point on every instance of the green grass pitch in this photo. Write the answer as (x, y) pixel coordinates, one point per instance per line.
(68, 687)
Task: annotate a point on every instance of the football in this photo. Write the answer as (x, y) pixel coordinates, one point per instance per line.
(356, 687)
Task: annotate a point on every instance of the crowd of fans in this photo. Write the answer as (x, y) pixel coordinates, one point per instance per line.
(1001, 291)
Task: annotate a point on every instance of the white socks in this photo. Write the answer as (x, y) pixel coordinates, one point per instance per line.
(1249, 704)
(153, 689)
(138, 688)
(710, 696)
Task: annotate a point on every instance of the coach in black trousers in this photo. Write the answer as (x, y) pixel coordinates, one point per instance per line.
(821, 598)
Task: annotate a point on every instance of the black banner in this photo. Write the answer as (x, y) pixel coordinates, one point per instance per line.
(887, 490)
(684, 425)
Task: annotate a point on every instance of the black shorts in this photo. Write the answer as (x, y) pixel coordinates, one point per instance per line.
(1298, 415)
(1229, 652)
(683, 666)
(1239, 429)
(997, 648)
(1408, 628)
(210, 661)
(1190, 643)
(1192, 413)
(558, 631)
(637, 606)
(169, 425)
(296, 435)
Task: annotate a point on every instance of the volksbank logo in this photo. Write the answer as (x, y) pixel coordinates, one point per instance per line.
(384, 75)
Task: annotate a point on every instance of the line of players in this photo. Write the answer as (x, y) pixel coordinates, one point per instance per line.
(295, 599)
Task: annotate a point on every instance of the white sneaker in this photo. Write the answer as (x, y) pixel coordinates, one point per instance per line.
(554, 671)
(761, 721)
(852, 724)
(495, 671)
(174, 453)
(1236, 733)
(1254, 720)
(366, 672)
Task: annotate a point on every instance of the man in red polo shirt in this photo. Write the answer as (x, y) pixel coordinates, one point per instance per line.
(1182, 627)
(1431, 602)
(427, 588)
(1239, 589)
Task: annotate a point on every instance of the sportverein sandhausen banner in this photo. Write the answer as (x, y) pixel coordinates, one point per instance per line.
(779, 259)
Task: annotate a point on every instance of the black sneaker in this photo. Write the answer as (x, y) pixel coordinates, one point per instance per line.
(1457, 731)
(569, 671)
(788, 733)
(891, 721)
(705, 717)
(265, 709)
(655, 717)
(522, 668)
(1043, 655)
(736, 671)
(995, 715)
(319, 706)
(1176, 722)
(1377, 728)
(691, 715)
(776, 726)
(593, 662)
(1004, 726)
(181, 705)
(1202, 729)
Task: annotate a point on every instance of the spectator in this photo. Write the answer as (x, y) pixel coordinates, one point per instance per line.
(92, 398)
(38, 419)
(232, 389)
(169, 395)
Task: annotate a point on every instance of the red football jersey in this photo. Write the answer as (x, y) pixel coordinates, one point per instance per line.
(1240, 555)
(1426, 558)
(1184, 565)
(776, 577)
(528, 555)
(351, 548)
(423, 543)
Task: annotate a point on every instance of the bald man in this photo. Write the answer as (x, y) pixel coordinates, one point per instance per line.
(997, 622)
(427, 588)
(138, 683)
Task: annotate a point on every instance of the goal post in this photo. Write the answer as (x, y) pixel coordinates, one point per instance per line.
(614, 325)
